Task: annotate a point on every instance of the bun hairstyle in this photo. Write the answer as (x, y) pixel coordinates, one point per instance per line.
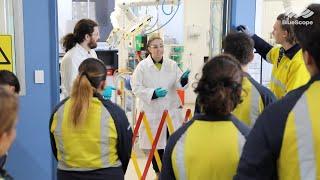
(219, 88)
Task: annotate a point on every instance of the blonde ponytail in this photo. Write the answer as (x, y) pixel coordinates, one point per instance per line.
(92, 72)
(81, 94)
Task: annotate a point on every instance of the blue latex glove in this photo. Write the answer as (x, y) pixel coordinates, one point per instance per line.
(244, 29)
(186, 74)
(160, 92)
(107, 92)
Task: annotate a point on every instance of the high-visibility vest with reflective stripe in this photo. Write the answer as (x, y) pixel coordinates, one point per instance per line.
(207, 150)
(91, 144)
(288, 74)
(251, 106)
(300, 150)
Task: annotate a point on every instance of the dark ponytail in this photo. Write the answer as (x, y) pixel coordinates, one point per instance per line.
(81, 29)
(220, 87)
(68, 42)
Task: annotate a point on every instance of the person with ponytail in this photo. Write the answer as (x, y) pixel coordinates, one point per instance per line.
(209, 146)
(90, 136)
(78, 46)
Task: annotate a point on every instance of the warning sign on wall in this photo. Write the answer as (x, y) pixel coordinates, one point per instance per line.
(6, 53)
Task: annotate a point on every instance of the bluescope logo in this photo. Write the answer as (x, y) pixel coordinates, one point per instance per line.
(305, 14)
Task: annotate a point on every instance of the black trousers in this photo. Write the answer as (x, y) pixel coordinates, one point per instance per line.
(154, 162)
(160, 152)
(114, 173)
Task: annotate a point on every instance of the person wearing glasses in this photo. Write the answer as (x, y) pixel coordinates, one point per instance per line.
(154, 82)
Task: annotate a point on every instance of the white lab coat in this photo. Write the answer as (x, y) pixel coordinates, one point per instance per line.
(70, 64)
(145, 79)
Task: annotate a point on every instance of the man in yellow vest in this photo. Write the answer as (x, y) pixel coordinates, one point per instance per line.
(255, 97)
(285, 141)
(288, 71)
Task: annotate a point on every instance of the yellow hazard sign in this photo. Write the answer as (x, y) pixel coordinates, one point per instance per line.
(6, 53)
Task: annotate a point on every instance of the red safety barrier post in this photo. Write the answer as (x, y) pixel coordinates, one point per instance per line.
(187, 116)
(136, 128)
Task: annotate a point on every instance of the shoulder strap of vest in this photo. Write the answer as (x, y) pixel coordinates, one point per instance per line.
(244, 130)
(52, 141)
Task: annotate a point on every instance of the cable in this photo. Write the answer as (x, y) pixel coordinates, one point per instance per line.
(163, 8)
(166, 22)
(155, 21)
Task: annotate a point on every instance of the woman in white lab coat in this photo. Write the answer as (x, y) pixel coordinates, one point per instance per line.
(155, 81)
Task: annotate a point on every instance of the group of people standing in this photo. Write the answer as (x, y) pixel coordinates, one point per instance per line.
(240, 129)
(283, 142)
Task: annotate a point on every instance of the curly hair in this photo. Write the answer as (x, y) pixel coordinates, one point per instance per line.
(219, 88)
(240, 45)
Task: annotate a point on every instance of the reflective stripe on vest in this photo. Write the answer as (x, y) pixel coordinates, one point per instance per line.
(278, 83)
(241, 141)
(104, 124)
(254, 110)
(58, 135)
(304, 139)
(105, 116)
(179, 154)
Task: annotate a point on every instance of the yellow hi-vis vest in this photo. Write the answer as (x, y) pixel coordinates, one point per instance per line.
(90, 145)
(251, 106)
(255, 98)
(287, 74)
(207, 150)
(300, 150)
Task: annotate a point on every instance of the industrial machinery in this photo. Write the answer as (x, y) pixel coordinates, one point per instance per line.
(130, 30)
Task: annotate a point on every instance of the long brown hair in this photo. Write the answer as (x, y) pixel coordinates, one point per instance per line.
(91, 73)
(8, 110)
(81, 29)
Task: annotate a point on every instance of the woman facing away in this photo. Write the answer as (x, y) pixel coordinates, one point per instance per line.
(209, 146)
(90, 136)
